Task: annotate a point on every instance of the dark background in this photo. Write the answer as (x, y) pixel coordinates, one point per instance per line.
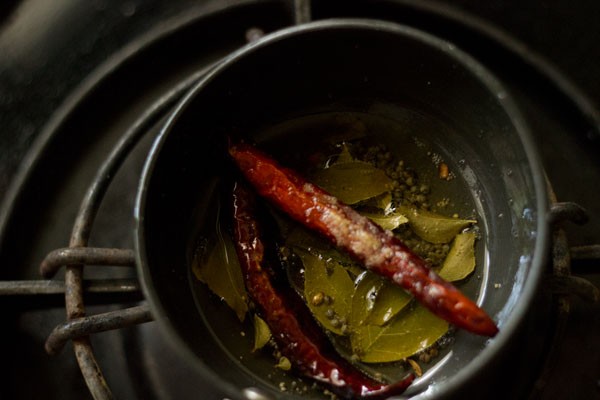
(48, 47)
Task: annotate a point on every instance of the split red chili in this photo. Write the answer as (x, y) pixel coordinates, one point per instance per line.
(377, 249)
(298, 336)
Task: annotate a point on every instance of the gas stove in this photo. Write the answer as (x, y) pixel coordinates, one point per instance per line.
(84, 87)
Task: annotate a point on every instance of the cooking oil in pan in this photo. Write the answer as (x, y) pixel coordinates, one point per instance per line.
(416, 153)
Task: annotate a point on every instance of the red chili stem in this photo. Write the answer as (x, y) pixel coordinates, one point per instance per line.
(379, 250)
(298, 336)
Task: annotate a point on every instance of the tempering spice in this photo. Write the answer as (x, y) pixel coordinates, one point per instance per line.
(379, 321)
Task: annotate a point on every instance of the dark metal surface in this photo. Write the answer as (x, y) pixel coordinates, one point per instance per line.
(56, 53)
(354, 67)
(81, 327)
(591, 252)
(85, 255)
(26, 295)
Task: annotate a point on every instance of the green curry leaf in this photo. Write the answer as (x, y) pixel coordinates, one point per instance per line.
(363, 300)
(407, 334)
(344, 155)
(353, 181)
(262, 333)
(433, 227)
(389, 221)
(328, 291)
(390, 300)
(460, 261)
(222, 273)
(376, 300)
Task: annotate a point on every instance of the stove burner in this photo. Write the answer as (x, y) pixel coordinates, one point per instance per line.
(121, 289)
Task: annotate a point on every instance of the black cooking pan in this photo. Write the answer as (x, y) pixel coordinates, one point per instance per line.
(423, 98)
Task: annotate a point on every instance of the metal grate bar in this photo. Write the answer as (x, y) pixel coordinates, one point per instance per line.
(45, 294)
(86, 326)
(45, 287)
(85, 256)
(591, 252)
(90, 204)
(568, 211)
(567, 285)
(302, 11)
(561, 282)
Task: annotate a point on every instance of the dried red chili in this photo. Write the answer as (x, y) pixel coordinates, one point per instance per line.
(379, 250)
(298, 336)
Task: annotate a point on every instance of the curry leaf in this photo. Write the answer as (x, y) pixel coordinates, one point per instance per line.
(363, 300)
(382, 202)
(327, 290)
(432, 227)
(304, 239)
(389, 222)
(353, 181)
(390, 300)
(222, 273)
(378, 205)
(407, 334)
(301, 238)
(344, 155)
(284, 363)
(262, 333)
(376, 300)
(460, 261)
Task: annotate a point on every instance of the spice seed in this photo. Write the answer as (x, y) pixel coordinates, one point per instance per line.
(444, 172)
(415, 366)
(318, 299)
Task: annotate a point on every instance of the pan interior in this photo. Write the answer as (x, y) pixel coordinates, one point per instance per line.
(421, 97)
